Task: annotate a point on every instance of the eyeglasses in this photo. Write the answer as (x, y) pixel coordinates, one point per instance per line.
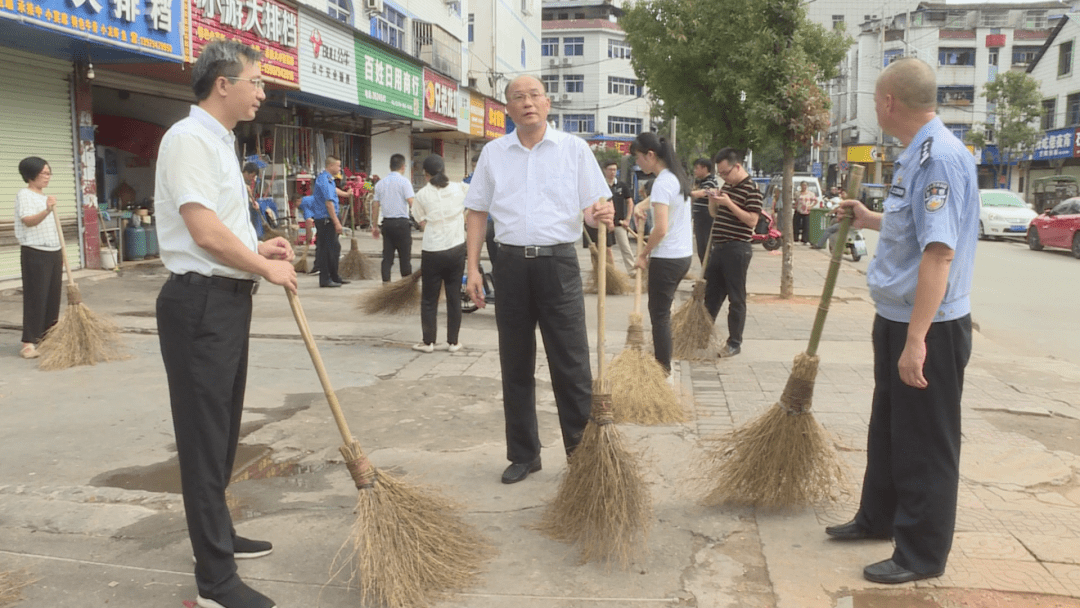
(534, 97)
(724, 174)
(258, 82)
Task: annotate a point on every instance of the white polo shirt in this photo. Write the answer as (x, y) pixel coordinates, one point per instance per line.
(536, 197)
(197, 163)
(444, 211)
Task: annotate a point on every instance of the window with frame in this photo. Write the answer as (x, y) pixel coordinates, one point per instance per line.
(549, 47)
(551, 82)
(579, 123)
(956, 20)
(472, 25)
(892, 55)
(523, 64)
(618, 125)
(1024, 55)
(618, 49)
(1065, 52)
(622, 86)
(955, 96)
(574, 46)
(389, 26)
(340, 10)
(992, 57)
(959, 129)
(1034, 20)
(573, 83)
(956, 56)
(1049, 108)
(994, 18)
(1072, 110)
(837, 22)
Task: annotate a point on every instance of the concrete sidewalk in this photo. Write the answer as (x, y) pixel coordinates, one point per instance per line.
(88, 486)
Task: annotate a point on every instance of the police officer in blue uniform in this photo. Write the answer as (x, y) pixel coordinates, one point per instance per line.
(920, 280)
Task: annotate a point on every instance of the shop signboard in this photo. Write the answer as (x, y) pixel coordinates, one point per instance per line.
(476, 114)
(327, 59)
(1057, 143)
(464, 110)
(149, 27)
(440, 99)
(494, 119)
(388, 82)
(268, 25)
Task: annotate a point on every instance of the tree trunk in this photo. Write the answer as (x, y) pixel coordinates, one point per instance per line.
(787, 270)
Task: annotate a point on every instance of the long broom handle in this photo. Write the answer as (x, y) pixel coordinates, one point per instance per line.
(637, 276)
(63, 248)
(601, 297)
(320, 369)
(855, 177)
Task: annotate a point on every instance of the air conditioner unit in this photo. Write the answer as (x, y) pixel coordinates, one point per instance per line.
(566, 97)
(373, 6)
(553, 62)
(567, 61)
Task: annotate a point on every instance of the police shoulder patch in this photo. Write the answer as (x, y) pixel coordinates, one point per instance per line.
(935, 196)
(924, 150)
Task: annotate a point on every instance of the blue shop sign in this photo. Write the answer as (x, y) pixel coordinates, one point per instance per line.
(149, 27)
(1058, 143)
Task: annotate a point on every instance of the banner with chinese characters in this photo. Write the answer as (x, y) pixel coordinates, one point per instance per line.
(268, 25)
(327, 59)
(387, 82)
(494, 119)
(440, 98)
(476, 114)
(1058, 143)
(150, 27)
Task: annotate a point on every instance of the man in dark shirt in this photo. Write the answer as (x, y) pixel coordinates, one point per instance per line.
(736, 208)
(704, 180)
(621, 198)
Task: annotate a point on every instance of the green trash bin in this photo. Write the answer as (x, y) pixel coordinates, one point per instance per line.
(819, 221)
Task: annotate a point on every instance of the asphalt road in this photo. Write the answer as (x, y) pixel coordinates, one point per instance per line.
(1023, 297)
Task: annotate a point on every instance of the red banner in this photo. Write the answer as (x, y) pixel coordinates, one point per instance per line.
(440, 99)
(267, 25)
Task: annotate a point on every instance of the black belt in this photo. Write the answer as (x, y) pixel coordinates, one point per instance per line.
(391, 219)
(222, 283)
(566, 250)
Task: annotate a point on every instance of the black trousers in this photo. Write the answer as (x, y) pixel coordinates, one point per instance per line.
(492, 244)
(203, 333)
(42, 274)
(397, 236)
(545, 291)
(702, 230)
(726, 279)
(802, 227)
(328, 253)
(441, 269)
(664, 277)
(913, 446)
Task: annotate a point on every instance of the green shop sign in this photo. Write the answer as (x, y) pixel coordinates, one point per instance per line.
(388, 83)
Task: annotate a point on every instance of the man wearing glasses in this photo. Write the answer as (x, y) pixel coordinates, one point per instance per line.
(204, 309)
(535, 183)
(736, 208)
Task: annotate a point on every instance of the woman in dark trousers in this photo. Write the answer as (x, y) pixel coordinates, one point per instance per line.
(670, 246)
(439, 207)
(42, 261)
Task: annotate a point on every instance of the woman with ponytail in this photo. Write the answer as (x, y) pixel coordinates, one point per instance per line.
(670, 247)
(439, 207)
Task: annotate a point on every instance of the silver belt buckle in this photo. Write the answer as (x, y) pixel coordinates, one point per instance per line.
(531, 251)
(255, 288)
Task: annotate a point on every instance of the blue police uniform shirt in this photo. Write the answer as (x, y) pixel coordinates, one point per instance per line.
(323, 191)
(934, 198)
(307, 207)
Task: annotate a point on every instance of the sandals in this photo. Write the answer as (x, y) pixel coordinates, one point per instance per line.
(29, 352)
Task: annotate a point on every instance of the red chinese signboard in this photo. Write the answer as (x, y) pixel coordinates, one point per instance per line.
(440, 99)
(494, 119)
(267, 25)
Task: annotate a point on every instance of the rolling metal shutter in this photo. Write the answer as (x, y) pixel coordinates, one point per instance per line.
(36, 121)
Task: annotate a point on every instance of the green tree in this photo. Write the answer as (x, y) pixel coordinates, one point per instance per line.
(1018, 108)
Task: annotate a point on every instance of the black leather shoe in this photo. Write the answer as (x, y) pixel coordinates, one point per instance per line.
(729, 351)
(520, 470)
(889, 572)
(853, 531)
(331, 285)
(342, 281)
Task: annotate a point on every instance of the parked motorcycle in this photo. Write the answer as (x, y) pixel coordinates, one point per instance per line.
(855, 245)
(766, 232)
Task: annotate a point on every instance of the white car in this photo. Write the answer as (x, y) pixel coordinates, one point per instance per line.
(1003, 214)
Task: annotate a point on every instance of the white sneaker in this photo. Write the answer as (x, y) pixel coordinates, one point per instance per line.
(423, 348)
(442, 346)
(454, 347)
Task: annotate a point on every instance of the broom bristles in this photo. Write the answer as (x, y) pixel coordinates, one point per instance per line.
(12, 582)
(400, 297)
(301, 264)
(617, 283)
(692, 334)
(356, 265)
(640, 393)
(80, 337)
(408, 549)
(602, 505)
(782, 459)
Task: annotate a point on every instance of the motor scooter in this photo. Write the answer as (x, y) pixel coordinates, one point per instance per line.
(855, 245)
(467, 305)
(766, 232)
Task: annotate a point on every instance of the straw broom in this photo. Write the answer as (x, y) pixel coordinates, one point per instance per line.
(80, 337)
(617, 282)
(12, 583)
(692, 333)
(785, 458)
(602, 504)
(639, 388)
(401, 297)
(356, 265)
(408, 547)
(301, 264)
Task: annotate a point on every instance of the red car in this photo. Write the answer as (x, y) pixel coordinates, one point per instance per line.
(1057, 227)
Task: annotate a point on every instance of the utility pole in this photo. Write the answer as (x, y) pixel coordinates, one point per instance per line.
(878, 175)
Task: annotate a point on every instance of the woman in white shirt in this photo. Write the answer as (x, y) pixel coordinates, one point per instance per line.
(42, 264)
(670, 246)
(439, 207)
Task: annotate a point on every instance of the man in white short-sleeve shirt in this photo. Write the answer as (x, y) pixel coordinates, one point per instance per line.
(204, 309)
(535, 183)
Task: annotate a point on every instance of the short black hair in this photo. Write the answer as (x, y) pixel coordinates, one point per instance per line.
(31, 167)
(397, 161)
(730, 155)
(220, 58)
(704, 162)
(251, 168)
(608, 163)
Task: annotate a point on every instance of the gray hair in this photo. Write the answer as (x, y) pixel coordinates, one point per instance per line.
(220, 58)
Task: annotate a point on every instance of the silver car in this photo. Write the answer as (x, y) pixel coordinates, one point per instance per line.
(1003, 214)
